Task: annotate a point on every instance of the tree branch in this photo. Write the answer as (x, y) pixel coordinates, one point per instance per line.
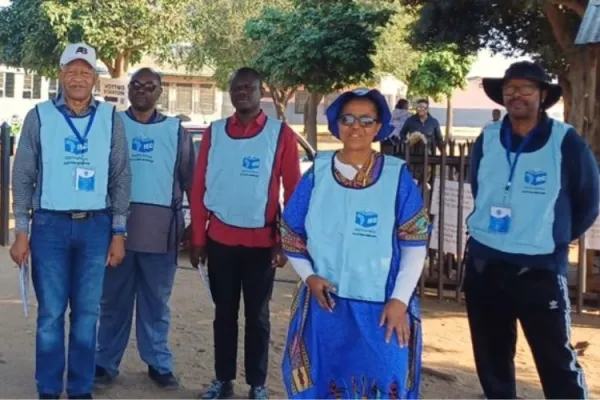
(556, 20)
(573, 5)
(109, 65)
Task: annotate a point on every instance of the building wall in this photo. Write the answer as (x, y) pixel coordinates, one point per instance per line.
(17, 105)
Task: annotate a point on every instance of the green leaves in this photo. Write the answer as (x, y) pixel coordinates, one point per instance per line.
(439, 73)
(321, 45)
(34, 32)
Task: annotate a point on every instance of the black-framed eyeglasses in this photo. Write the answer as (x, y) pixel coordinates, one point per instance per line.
(147, 87)
(365, 121)
(525, 90)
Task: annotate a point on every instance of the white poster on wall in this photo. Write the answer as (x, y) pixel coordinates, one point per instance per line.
(114, 91)
(451, 202)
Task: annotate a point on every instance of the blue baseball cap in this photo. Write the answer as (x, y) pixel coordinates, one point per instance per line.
(385, 116)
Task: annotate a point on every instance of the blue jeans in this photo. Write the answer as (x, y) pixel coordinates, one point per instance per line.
(145, 279)
(68, 262)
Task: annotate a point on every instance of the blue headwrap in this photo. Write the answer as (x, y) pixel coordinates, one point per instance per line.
(385, 116)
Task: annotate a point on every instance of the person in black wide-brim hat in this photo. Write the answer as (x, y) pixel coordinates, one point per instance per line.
(535, 185)
(527, 71)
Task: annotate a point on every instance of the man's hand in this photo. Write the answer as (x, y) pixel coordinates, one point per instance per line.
(116, 251)
(19, 251)
(197, 255)
(396, 317)
(318, 286)
(278, 259)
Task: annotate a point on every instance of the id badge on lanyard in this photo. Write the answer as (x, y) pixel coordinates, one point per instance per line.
(501, 214)
(84, 177)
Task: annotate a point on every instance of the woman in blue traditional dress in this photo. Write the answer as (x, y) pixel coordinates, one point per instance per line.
(355, 231)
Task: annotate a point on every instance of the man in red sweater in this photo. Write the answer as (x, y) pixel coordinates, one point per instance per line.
(235, 226)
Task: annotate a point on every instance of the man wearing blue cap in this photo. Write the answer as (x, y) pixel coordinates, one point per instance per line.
(535, 185)
(355, 231)
(71, 179)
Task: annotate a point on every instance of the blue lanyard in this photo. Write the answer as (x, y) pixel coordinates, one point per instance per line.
(513, 164)
(80, 137)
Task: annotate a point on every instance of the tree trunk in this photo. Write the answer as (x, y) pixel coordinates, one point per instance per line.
(280, 97)
(583, 83)
(449, 118)
(310, 121)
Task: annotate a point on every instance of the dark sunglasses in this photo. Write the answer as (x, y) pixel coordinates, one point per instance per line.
(365, 121)
(147, 87)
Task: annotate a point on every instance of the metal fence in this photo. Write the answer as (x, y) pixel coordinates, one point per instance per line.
(446, 166)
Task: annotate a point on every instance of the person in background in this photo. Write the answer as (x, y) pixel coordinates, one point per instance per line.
(424, 123)
(72, 173)
(535, 185)
(399, 117)
(162, 166)
(355, 231)
(496, 115)
(236, 192)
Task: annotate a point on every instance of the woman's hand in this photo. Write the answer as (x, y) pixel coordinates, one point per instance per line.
(318, 286)
(394, 313)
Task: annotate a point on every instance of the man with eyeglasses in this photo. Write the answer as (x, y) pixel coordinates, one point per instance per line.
(535, 185)
(424, 123)
(235, 210)
(162, 166)
(71, 180)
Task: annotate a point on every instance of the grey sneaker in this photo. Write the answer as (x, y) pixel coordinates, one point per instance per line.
(258, 392)
(218, 390)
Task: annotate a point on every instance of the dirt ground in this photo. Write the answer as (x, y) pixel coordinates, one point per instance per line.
(446, 346)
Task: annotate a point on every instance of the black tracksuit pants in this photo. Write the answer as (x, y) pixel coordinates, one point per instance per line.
(231, 271)
(498, 295)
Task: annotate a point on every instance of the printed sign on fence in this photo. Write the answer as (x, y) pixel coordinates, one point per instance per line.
(114, 91)
(451, 203)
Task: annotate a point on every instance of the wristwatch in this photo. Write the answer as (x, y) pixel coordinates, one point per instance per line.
(119, 232)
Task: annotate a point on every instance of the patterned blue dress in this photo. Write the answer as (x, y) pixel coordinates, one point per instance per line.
(343, 354)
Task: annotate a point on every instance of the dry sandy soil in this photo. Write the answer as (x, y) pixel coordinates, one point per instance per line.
(446, 346)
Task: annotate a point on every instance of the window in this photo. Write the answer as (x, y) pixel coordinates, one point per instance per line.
(204, 102)
(183, 98)
(7, 84)
(163, 100)
(52, 88)
(300, 99)
(32, 87)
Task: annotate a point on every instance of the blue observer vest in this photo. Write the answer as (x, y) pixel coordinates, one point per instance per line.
(238, 174)
(535, 187)
(351, 231)
(74, 174)
(153, 153)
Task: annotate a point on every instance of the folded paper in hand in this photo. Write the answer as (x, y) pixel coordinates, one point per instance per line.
(24, 284)
(205, 280)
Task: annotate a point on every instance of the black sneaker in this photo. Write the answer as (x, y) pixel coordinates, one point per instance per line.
(81, 396)
(258, 392)
(48, 396)
(103, 378)
(218, 390)
(165, 381)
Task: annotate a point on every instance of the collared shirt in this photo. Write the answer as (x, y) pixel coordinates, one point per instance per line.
(286, 169)
(154, 229)
(27, 176)
(430, 127)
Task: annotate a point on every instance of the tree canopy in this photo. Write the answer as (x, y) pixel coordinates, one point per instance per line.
(439, 73)
(34, 32)
(543, 29)
(323, 46)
